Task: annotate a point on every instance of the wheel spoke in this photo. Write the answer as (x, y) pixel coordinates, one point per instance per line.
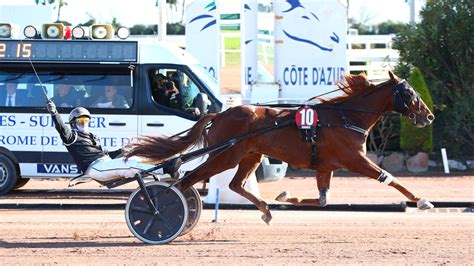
(149, 225)
(141, 210)
(166, 223)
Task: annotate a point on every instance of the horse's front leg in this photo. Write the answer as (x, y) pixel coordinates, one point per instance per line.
(324, 180)
(363, 165)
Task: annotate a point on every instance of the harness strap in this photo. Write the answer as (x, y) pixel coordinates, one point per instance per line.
(313, 154)
(350, 126)
(357, 129)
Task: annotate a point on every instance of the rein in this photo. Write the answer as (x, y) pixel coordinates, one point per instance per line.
(401, 101)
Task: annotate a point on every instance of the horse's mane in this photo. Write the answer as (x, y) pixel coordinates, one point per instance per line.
(352, 85)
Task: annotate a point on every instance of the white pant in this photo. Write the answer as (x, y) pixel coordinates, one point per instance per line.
(106, 169)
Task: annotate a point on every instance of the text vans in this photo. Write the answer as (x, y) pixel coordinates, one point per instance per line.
(116, 80)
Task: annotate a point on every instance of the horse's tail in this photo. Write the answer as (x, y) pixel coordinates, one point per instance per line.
(158, 148)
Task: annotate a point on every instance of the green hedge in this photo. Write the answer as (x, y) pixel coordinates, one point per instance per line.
(413, 139)
(442, 46)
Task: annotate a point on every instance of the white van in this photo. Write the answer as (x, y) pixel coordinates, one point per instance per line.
(78, 73)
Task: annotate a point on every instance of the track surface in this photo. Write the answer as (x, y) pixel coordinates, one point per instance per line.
(443, 236)
(240, 237)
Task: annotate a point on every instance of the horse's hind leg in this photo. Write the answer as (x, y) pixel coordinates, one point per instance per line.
(323, 180)
(248, 165)
(366, 167)
(226, 161)
(211, 167)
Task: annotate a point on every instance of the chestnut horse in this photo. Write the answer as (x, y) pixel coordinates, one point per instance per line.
(344, 123)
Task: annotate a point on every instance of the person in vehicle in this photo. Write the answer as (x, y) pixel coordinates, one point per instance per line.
(89, 155)
(111, 99)
(165, 92)
(64, 96)
(190, 92)
(11, 96)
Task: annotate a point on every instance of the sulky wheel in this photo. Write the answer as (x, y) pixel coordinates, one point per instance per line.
(167, 223)
(194, 208)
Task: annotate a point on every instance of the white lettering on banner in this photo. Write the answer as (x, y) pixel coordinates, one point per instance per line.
(58, 169)
(304, 76)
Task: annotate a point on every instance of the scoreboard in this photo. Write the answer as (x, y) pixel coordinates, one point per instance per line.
(68, 51)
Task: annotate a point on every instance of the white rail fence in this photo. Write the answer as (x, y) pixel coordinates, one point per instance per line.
(372, 54)
(265, 47)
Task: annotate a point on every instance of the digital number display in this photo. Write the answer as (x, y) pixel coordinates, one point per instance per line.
(68, 51)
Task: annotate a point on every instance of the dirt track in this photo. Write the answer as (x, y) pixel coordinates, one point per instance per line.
(240, 237)
(85, 237)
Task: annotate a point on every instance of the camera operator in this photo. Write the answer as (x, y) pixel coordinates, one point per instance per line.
(166, 92)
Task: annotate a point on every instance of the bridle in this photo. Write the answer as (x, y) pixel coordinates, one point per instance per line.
(403, 98)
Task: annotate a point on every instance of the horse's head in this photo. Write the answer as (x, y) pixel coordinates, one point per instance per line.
(407, 102)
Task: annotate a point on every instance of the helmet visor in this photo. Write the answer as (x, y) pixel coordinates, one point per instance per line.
(83, 120)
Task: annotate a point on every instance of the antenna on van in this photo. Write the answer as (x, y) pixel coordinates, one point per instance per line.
(36, 74)
(131, 67)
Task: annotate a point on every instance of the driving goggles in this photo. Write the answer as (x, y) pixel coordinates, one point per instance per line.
(82, 120)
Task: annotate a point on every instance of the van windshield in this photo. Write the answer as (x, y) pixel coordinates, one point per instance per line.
(209, 81)
(86, 88)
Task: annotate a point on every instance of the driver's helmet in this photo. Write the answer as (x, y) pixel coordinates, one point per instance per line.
(78, 112)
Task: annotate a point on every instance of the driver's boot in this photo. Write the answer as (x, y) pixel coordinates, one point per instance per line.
(172, 167)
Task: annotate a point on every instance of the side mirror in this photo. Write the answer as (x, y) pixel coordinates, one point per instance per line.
(202, 102)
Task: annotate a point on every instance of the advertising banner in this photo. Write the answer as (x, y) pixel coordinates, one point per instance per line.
(310, 46)
(202, 35)
(249, 45)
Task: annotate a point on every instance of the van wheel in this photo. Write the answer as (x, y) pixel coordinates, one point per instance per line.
(21, 182)
(8, 175)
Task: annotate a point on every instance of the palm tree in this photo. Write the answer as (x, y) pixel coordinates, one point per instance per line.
(173, 4)
(60, 4)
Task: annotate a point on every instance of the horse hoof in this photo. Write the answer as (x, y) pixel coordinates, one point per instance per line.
(283, 197)
(423, 204)
(267, 219)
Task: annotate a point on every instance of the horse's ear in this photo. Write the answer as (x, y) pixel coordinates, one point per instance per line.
(392, 75)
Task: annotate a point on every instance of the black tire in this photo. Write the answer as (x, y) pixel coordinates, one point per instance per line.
(21, 182)
(164, 226)
(8, 174)
(193, 199)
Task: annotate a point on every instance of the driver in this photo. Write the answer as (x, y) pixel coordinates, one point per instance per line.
(89, 155)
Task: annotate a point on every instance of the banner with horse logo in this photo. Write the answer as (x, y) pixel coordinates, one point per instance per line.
(202, 35)
(249, 45)
(310, 46)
